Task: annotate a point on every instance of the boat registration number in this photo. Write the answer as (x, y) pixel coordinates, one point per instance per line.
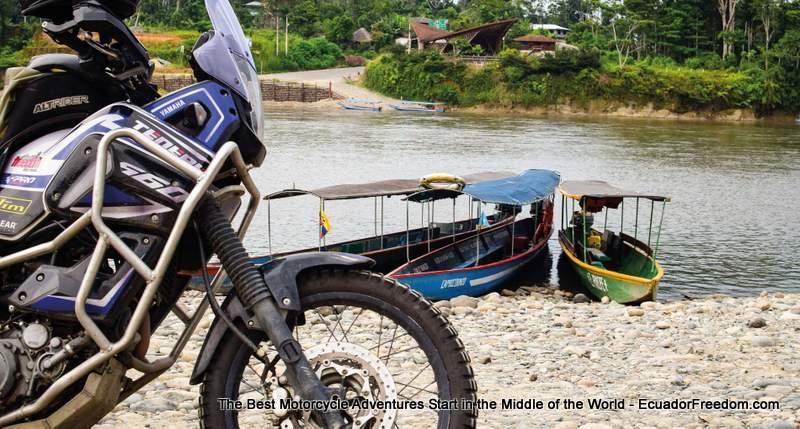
(597, 282)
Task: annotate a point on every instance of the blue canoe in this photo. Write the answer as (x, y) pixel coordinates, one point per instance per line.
(418, 106)
(477, 265)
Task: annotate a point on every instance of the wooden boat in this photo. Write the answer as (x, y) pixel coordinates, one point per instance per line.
(418, 106)
(361, 105)
(388, 250)
(477, 265)
(614, 264)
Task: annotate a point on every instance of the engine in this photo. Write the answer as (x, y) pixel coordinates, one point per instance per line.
(30, 359)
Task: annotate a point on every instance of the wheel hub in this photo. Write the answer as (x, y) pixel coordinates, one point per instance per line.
(352, 373)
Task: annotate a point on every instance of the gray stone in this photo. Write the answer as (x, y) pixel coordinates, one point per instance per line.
(757, 323)
(605, 300)
(761, 383)
(762, 341)
(154, 405)
(581, 299)
(464, 301)
(635, 312)
(777, 424)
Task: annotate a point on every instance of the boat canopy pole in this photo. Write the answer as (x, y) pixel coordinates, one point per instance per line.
(650, 231)
(622, 218)
(572, 221)
(605, 219)
(269, 226)
(375, 215)
(381, 223)
(408, 234)
(319, 225)
(636, 221)
(660, 224)
(583, 226)
(431, 216)
(454, 221)
(478, 237)
(513, 229)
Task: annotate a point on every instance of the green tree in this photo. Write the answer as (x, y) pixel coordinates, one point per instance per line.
(340, 30)
(304, 18)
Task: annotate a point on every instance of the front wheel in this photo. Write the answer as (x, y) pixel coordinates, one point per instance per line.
(386, 354)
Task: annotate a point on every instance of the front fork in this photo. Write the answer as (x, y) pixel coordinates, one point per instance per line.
(254, 293)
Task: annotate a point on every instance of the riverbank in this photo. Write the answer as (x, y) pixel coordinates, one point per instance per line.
(579, 83)
(537, 343)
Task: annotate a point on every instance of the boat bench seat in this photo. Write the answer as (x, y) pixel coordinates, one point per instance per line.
(484, 254)
(598, 255)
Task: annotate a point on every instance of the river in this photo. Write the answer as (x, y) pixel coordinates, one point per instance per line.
(733, 225)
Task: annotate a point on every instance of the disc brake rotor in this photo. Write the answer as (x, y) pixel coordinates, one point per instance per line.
(354, 374)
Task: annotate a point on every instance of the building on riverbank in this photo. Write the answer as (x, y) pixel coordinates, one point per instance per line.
(535, 43)
(557, 31)
(488, 36)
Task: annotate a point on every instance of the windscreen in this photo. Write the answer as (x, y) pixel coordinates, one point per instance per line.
(228, 30)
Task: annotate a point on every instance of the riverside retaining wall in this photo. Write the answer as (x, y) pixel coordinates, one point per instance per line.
(271, 89)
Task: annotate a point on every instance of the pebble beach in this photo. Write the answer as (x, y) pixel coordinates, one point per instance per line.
(539, 345)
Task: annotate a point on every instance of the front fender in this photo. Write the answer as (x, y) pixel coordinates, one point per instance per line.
(281, 277)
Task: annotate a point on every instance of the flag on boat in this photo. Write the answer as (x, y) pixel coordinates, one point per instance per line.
(483, 220)
(324, 224)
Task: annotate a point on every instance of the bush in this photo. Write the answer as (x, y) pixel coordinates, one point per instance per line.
(706, 60)
(314, 54)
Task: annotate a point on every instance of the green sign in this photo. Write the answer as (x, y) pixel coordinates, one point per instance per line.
(441, 24)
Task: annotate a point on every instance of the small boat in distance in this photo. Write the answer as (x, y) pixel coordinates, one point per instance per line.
(614, 264)
(477, 265)
(361, 105)
(418, 106)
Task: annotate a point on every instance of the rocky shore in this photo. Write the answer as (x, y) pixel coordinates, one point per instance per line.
(542, 344)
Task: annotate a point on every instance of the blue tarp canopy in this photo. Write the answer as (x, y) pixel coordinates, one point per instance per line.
(527, 188)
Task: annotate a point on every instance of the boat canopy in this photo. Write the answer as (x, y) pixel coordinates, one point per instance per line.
(599, 190)
(384, 188)
(526, 188)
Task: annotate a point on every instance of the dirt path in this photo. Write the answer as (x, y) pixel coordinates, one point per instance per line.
(339, 78)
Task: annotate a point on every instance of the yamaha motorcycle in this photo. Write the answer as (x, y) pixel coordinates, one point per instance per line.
(110, 192)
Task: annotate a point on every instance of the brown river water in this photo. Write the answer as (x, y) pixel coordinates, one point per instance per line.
(733, 225)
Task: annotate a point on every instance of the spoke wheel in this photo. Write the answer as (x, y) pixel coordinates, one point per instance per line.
(369, 339)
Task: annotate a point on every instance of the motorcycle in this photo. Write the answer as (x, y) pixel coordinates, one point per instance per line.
(109, 191)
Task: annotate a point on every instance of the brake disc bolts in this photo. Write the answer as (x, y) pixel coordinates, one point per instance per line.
(287, 301)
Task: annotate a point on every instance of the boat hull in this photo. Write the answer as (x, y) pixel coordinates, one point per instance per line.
(616, 287)
(360, 108)
(417, 109)
(471, 281)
